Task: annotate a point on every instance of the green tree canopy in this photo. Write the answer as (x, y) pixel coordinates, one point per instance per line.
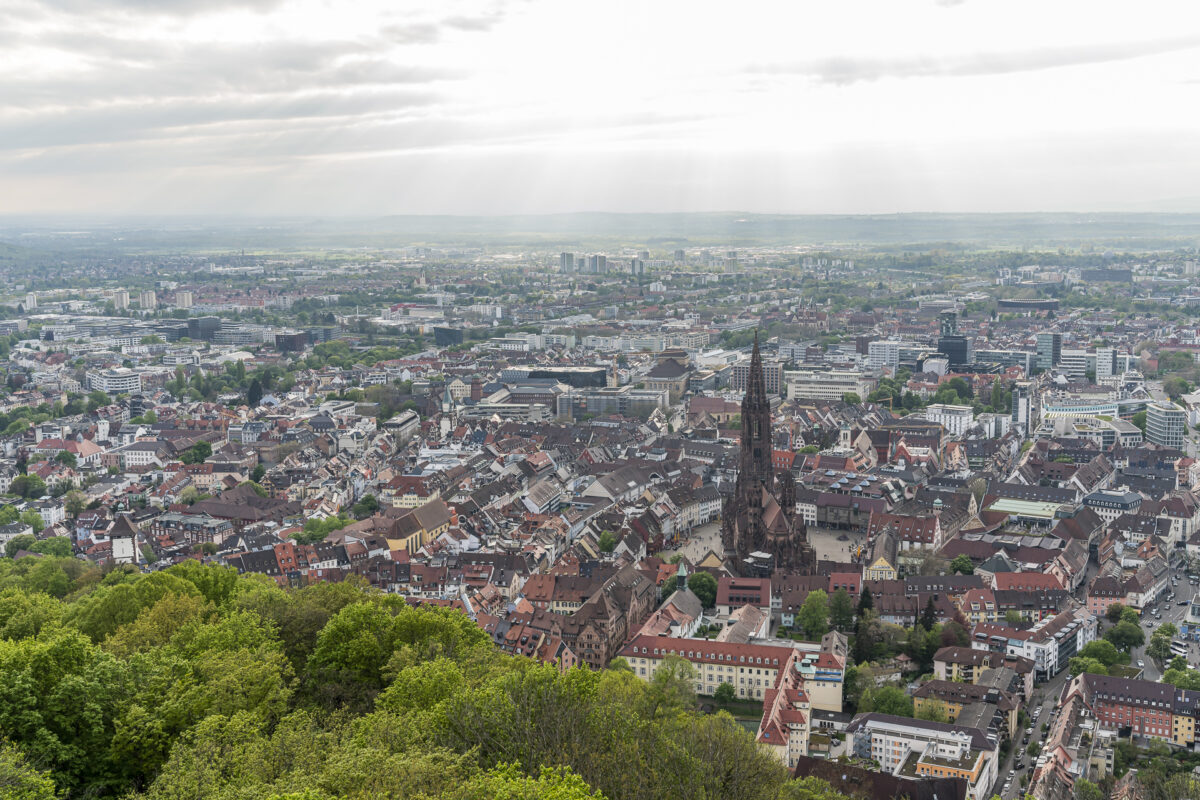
(886, 700)
(18, 543)
(197, 453)
(1125, 636)
(315, 530)
(701, 584)
(1079, 664)
(19, 780)
(1103, 651)
(813, 616)
(704, 586)
(197, 683)
(841, 611)
(607, 541)
(30, 486)
(725, 693)
(54, 546)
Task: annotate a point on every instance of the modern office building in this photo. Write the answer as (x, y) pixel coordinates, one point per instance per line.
(1166, 424)
(447, 337)
(1074, 364)
(810, 384)
(1022, 406)
(577, 377)
(204, 328)
(624, 400)
(1049, 350)
(739, 376)
(115, 381)
(1106, 363)
(884, 353)
(955, 347)
(955, 419)
(1007, 358)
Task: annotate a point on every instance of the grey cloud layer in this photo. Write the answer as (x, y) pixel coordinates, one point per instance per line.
(134, 89)
(848, 70)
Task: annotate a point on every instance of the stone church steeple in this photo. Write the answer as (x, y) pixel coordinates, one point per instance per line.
(760, 515)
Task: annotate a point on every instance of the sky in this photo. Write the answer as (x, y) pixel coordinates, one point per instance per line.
(354, 107)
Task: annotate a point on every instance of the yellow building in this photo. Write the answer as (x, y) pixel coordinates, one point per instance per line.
(948, 699)
(968, 766)
(1186, 707)
(883, 563)
(420, 526)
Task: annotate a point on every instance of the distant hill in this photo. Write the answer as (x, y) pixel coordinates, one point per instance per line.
(1125, 231)
(825, 229)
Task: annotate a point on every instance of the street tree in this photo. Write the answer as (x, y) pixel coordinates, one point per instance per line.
(841, 611)
(814, 614)
(1125, 636)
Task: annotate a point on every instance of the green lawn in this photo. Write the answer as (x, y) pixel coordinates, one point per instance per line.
(738, 708)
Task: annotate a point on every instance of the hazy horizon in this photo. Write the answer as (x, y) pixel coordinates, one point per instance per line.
(286, 108)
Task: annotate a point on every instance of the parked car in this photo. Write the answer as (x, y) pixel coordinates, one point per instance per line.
(1141, 664)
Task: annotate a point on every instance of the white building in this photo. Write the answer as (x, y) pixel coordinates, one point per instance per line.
(884, 353)
(120, 299)
(955, 419)
(922, 749)
(181, 358)
(1023, 412)
(1074, 364)
(1112, 503)
(826, 385)
(1106, 363)
(148, 300)
(1166, 424)
(52, 512)
(1050, 644)
(115, 381)
(183, 299)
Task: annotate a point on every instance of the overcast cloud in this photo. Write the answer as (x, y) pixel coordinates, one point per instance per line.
(329, 107)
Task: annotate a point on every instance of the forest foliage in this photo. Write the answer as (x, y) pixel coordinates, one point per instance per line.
(197, 682)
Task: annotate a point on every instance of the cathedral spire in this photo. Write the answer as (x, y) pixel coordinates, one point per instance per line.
(756, 425)
(760, 515)
(756, 384)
